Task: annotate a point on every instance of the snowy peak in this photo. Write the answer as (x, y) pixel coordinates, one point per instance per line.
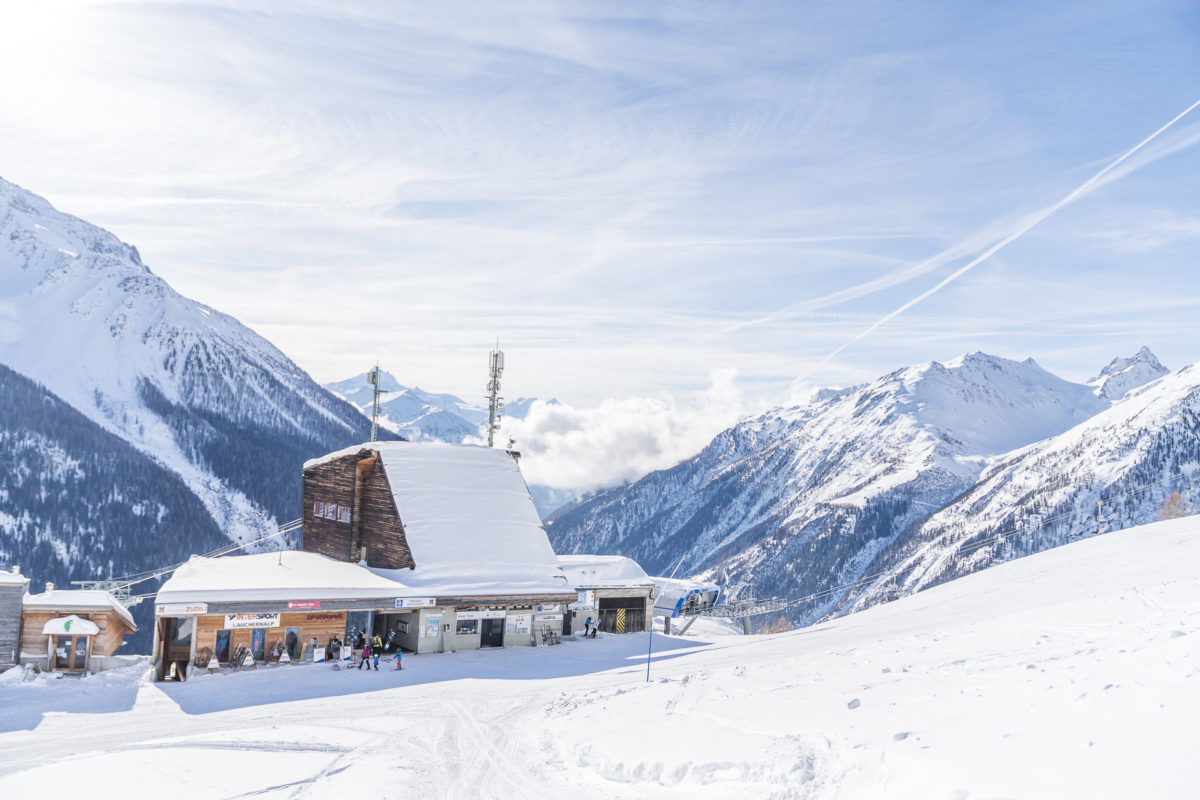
(1123, 375)
(423, 416)
(191, 387)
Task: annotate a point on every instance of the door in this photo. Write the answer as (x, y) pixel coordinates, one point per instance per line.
(63, 647)
(80, 662)
(491, 633)
(222, 651)
(179, 638)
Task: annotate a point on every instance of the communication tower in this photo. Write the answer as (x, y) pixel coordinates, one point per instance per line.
(495, 368)
(373, 379)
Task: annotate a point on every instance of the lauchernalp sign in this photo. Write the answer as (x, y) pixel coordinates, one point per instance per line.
(239, 621)
(180, 609)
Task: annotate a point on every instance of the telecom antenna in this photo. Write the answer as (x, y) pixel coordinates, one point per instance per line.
(373, 379)
(495, 368)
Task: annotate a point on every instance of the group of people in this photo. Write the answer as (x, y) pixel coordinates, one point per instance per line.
(373, 647)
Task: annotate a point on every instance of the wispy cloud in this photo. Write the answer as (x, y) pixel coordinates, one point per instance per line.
(629, 195)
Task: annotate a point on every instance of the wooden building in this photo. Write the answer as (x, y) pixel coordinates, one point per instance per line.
(435, 547)
(13, 586)
(73, 630)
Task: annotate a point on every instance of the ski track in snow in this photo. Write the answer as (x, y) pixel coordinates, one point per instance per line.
(1072, 673)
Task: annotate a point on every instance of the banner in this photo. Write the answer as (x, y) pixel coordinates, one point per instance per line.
(584, 599)
(239, 621)
(180, 609)
(415, 602)
(304, 604)
(486, 613)
(550, 609)
(517, 624)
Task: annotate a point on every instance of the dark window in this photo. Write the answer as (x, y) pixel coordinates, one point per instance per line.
(466, 627)
(222, 653)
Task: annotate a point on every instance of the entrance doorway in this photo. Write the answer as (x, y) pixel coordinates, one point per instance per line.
(491, 633)
(622, 615)
(71, 653)
(177, 646)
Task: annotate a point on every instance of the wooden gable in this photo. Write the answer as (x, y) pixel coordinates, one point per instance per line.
(363, 513)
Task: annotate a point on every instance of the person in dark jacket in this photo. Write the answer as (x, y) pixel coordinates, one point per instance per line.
(377, 650)
(587, 624)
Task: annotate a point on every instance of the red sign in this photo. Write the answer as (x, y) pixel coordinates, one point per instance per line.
(304, 604)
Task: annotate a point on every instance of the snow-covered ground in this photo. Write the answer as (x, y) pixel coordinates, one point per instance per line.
(1072, 673)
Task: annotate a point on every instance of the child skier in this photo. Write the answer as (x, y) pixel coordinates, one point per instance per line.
(399, 658)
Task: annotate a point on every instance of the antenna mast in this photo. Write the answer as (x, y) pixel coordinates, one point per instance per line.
(495, 368)
(373, 379)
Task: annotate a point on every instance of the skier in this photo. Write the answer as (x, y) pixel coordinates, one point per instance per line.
(366, 655)
(587, 624)
(377, 649)
(399, 658)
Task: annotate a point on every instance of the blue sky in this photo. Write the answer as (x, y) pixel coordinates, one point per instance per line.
(642, 200)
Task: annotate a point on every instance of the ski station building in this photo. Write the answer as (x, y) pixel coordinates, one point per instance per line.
(436, 546)
(613, 590)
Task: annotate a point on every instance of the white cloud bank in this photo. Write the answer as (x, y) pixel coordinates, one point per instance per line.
(582, 449)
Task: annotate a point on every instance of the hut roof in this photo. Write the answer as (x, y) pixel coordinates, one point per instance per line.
(90, 600)
(468, 518)
(603, 572)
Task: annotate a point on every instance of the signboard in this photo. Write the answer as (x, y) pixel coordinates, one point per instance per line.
(584, 599)
(517, 624)
(318, 654)
(180, 609)
(553, 608)
(415, 602)
(486, 613)
(239, 621)
(304, 604)
(433, 627)
(547, 618)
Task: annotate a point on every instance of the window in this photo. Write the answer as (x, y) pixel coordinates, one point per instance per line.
(343, 513)
(466, 627)
(331, 511)
(318, 509)
(222, 650)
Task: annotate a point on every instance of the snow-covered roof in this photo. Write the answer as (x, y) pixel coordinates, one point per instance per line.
(596, 572)
(70, 626)
(13, 578)
(286, 575)
(468, 518)
(94, 600)
(671, 593)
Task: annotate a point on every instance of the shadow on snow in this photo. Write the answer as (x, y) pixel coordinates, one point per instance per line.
(205, 694)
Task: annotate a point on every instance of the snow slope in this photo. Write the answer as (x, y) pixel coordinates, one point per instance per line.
(193, 388)
(1071, 673)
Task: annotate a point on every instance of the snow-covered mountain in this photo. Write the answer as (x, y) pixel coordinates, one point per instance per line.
(420, 416)
(193, 389)
(1122, 464)
(801, 500)
(1123, 375)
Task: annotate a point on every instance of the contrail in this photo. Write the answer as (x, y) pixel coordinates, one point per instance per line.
(1022, 229)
